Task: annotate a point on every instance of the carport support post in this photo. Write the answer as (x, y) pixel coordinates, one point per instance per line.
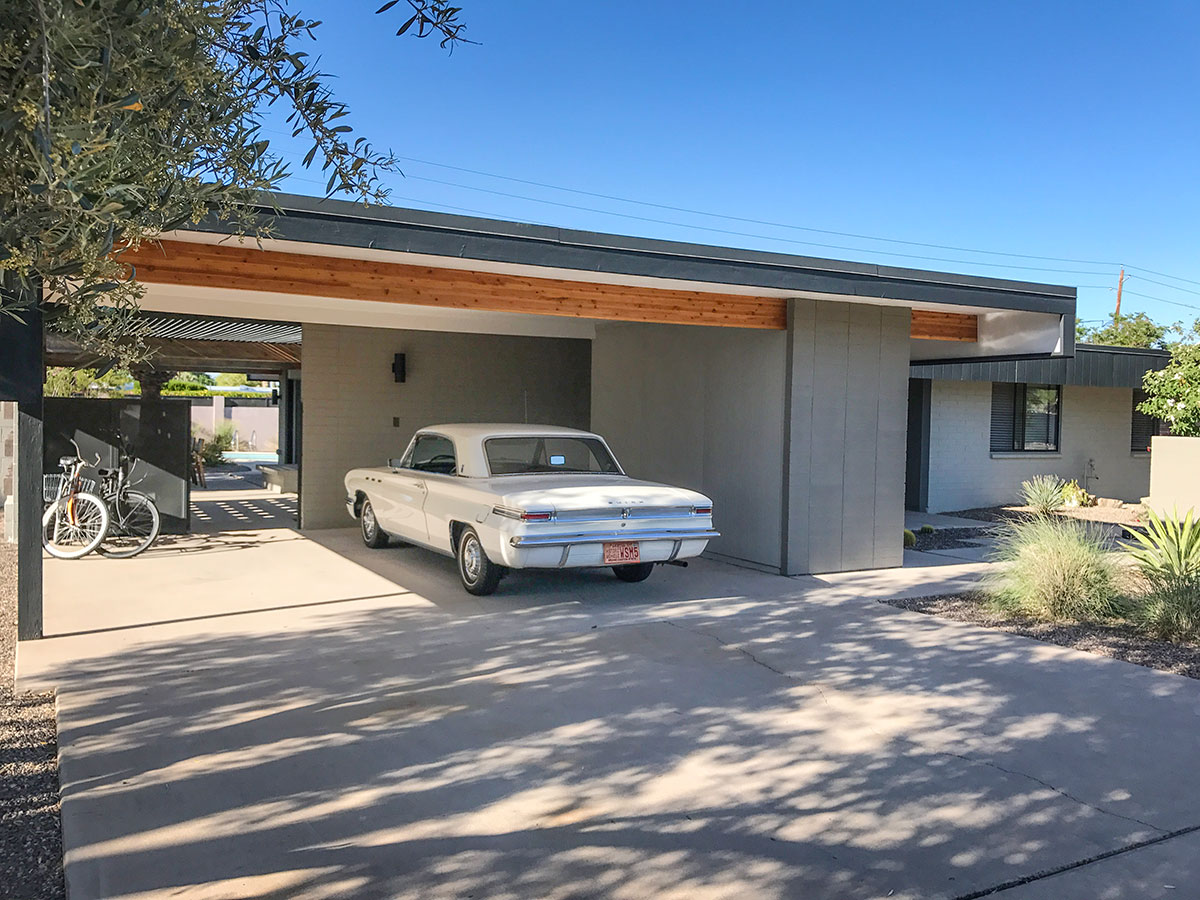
(21, 371)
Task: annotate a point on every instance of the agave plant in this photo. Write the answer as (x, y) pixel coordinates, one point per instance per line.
(1168, 555)
(1170, 548)
(1043, 493)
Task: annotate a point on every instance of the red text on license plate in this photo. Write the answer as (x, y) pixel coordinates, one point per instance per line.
(621, 552)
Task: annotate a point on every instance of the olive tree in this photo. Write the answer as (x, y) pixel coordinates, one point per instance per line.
(123, 119)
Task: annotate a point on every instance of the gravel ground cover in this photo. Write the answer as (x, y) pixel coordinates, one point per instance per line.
(950, 538)
(1118, 641)
(1114, 515)
(30, 826)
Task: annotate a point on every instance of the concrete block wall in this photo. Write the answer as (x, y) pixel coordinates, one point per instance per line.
(1096, 424)
(846, 425)
(356, 415)
(702, 408)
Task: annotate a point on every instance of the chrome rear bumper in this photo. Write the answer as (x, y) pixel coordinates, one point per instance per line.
(600, 537)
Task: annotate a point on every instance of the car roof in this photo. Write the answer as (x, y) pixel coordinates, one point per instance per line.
(481, 430)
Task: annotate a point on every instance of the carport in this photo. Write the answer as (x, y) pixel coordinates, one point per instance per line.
(776, 384)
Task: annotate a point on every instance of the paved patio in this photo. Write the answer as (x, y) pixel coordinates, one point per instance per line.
(258, 713)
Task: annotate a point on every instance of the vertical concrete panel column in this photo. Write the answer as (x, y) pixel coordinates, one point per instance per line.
(863, 348)
(827, 471)
(798, 435)
(846, 409)
(891, 437)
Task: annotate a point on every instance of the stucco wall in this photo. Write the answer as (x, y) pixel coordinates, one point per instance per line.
(1175, 476)
(847, 425)
(350, 398)
(701, 408)
(1095, 423)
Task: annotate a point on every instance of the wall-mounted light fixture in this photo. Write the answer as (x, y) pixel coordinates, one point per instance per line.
(398, 368)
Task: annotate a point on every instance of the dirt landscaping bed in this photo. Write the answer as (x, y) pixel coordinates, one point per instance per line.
(31, 855)
(1126, 514)
(1117, 641)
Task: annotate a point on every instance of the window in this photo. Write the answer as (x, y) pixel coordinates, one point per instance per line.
(1025, 418)
(541, 455)
(431, 453)
(1142, 427)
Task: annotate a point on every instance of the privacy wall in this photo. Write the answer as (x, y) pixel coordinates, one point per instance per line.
(355, 414)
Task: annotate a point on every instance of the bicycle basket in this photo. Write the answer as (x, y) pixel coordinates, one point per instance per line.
(52, 483)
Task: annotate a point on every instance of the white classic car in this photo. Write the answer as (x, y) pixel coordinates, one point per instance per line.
(500, 497)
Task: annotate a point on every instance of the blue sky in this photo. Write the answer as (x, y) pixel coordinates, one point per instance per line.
(1052, 129)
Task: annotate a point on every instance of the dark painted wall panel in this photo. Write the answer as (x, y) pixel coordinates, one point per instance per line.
(157, 432)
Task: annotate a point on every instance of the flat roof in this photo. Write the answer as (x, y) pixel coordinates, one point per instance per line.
(346, 223)
(1093, 365)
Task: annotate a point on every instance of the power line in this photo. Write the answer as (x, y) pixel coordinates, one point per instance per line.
(1163, 300)
(768, 223)
(746, 234)
(751, 221)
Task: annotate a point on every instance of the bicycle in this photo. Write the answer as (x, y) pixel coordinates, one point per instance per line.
(75, 520)
(134, 521)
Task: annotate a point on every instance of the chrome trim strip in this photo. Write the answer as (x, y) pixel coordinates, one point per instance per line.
(599, 537)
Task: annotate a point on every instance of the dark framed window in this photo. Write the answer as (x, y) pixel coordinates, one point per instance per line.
(1026, 418)
(1142, 427)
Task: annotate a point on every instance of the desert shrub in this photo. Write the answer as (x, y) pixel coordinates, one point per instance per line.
(927, 529)
(910, 539)
(1168, 556)
(212, 449)
(1074, 495)
(1043, 493)
(1055, 568)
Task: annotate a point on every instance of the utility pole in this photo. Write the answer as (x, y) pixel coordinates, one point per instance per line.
(1120, 284)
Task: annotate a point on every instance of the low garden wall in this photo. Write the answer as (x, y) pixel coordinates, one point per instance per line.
(1174, 475)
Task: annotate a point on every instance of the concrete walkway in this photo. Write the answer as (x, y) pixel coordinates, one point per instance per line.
(269, 715)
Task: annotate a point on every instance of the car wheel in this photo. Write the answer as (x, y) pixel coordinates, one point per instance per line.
(634, 572)
(478, 573)
(373, 536)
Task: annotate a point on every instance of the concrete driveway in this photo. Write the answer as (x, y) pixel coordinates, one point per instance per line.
(265, 714)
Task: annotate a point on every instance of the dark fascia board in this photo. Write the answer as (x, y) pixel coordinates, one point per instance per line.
(1125, 351)
(1069, 369)
(349, 224)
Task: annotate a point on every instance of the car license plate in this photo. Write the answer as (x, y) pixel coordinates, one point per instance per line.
(622, 552)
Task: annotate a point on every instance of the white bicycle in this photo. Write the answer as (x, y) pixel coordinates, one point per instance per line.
(76, 520)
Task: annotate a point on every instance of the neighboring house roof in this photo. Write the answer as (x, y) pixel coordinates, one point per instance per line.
(353, 225)
(1093, 365)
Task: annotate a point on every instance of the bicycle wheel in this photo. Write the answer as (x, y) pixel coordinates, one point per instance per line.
(133, 526)
(74, 526)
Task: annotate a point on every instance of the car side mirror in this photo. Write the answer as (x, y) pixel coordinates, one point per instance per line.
(394, 463)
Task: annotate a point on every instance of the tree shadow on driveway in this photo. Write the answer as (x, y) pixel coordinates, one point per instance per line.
(804, 743)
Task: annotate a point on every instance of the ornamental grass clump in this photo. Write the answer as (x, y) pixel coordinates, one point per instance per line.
(1043, 493)
(1056, 569)
(1168, 556)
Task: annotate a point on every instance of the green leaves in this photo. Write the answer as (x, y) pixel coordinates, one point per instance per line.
(1174, 392)
(122, 120)
(1169, 549)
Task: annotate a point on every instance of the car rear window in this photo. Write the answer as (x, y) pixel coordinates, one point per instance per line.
(551, 454)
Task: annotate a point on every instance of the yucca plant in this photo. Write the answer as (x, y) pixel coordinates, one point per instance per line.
(1056, 569)
(1168, 556)
(1043, 493)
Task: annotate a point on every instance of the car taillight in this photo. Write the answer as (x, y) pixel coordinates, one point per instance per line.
(527, 516)
(701, 510)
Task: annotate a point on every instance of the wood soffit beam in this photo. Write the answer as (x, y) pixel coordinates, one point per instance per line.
(944, 326)
(238, 267)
